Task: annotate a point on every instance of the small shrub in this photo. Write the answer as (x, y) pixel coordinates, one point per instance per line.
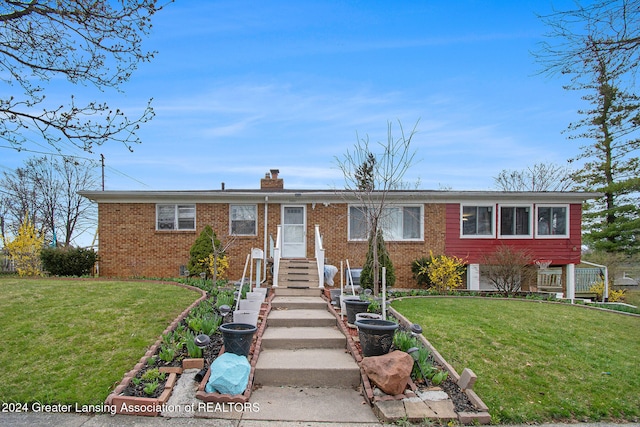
(614, 295)
(445, 272)
(419, 269)
(25, 249)
(68, 261)
(509, 268)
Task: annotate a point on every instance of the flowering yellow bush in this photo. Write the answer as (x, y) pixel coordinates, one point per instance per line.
(220, 266)
(445, 272)
(25, 249)
(614, 295)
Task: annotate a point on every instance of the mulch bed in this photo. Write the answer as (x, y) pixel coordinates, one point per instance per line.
(460, 400)
(209, 354)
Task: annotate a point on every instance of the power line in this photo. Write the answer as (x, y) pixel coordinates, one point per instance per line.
(95, 161)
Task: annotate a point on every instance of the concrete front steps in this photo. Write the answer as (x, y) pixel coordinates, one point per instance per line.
(298, 273)
(302, 345)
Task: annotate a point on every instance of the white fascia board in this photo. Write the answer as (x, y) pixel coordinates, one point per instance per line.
(314, 196)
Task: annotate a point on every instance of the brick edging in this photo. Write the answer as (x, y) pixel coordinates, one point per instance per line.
(115, 395)
(255, 352)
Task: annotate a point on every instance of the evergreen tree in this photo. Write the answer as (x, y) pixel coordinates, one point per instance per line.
(597, 46)
(367, 277)
(200, 251)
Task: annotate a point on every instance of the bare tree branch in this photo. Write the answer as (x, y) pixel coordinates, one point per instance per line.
(89, 42)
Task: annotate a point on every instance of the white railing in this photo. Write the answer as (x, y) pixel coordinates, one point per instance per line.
(319, 253)
(276, 257)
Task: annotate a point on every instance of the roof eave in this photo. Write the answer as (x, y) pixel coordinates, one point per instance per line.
(309, 196)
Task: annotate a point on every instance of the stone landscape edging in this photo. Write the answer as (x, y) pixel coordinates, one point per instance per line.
(147, 406)
(473, 397)
(466, 418)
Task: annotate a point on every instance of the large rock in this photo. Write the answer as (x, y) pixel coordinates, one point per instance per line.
(229, 374)
(390, 372)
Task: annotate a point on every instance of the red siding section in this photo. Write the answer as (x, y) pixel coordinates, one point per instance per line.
(560, 251)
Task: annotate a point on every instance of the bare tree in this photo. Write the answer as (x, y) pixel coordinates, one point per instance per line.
(539, 177)
(369, 178)
(90, 42)
(509, 268)
(609, 27)
(46, 189)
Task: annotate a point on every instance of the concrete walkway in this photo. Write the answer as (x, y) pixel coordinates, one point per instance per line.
(104, 420)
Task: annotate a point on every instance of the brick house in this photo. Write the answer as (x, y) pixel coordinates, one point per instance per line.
(149, 233)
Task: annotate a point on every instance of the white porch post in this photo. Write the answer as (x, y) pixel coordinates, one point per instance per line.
(571, 281)
(473, 277)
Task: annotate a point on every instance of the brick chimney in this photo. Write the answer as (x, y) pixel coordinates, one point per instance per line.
(271, 181)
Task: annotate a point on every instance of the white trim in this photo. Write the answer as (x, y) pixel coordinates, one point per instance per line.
(515, 236)
(231, 205)
(491, 205)
(571, 281)
(473, 277)
(176, 217)
(420, 238)
(567, 208)
(304, 230)
(336, 196)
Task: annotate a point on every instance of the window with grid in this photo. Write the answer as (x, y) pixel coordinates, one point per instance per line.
(244, 220)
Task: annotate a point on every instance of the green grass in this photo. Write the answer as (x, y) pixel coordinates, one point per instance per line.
(68, 341)
(632, 297)
(535, 361)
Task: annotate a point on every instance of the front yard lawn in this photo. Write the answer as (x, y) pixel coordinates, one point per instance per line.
(71, 341)
(537, 362)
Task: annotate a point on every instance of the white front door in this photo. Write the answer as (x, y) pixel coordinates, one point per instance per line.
(294, 235)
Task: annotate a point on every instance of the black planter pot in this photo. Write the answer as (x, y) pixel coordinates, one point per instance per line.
(355, 306)
(376, 336)
(237, 337)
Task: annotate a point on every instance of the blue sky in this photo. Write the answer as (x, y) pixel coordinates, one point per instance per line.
(243, 87)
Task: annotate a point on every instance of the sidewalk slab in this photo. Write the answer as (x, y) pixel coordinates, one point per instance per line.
(310, 404)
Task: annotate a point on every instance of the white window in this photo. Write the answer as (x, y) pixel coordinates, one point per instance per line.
(398, 223)
(244, 220)
(515, 221)
(552, 221)
(477, 221)
(175, 217)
